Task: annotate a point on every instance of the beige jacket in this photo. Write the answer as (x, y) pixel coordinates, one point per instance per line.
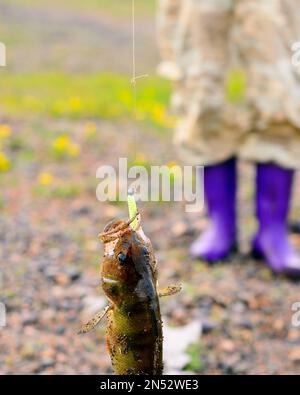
(237, 89)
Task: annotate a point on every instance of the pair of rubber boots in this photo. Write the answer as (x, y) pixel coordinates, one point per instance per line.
(273, 195)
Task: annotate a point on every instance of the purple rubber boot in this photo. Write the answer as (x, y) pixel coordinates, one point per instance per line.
(219, 240)
(274, 186)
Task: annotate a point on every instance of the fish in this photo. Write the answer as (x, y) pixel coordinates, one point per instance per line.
(129, 276)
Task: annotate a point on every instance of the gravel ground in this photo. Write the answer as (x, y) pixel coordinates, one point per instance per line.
(49, 253)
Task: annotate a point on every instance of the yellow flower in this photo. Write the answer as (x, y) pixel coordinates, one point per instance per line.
(175, 169)
(126, 97)
(73, 149)
(61, 143)
(158, 113)
(45, 178)
(5, 131)
(160, 116)
(140, 159)
(90, 129)
(4, 163)
(172, 163)
(75, 104)
(63, 146)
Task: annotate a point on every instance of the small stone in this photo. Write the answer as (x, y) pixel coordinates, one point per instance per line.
(81, 210)
(227, 345)
(60, 330)
(245, 323)
(180, 229)
(73, 273)
(47, 363)
(208, 326)
(294, 355)
(29, 318)
(62, 279)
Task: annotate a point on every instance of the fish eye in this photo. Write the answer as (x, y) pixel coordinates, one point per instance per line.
(122, 258)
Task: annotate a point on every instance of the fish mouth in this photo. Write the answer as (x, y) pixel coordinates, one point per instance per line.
(116, 228)
(110, 281)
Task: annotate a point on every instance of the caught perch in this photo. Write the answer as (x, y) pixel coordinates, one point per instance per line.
(129, 280)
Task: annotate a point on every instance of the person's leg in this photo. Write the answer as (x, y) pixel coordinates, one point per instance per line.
(220, 197)
(273, 195)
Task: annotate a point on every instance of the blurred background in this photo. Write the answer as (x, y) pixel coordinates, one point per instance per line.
(66, 108)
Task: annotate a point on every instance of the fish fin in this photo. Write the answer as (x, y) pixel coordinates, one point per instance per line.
(91, 324)
(171, 290)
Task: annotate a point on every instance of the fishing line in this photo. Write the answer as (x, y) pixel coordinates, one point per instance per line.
(132, 208)
(134, 76)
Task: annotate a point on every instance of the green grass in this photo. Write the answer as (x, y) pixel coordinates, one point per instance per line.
(61, 191)
(114, 7)
(103, 95)
(195, 352)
